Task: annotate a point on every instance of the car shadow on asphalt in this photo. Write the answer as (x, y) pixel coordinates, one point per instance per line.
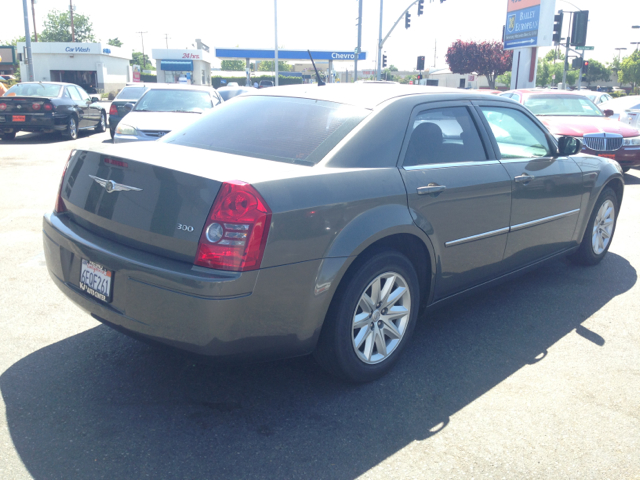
(37, 138)
(99, 404)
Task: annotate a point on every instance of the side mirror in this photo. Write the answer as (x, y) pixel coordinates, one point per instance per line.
(128, 107)
(569, 146)
(94, 99)
(608, 113)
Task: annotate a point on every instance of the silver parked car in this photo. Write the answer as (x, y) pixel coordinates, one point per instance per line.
(626, 109)
(163, 108)
(326, 224)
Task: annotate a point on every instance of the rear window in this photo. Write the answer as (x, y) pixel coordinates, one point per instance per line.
(131, 93)
(33, 90)
(293, 130)
(161, 100)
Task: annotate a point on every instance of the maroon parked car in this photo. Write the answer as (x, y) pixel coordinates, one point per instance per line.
(573, 114)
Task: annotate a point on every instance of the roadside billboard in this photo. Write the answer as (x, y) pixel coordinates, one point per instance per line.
(529, 23)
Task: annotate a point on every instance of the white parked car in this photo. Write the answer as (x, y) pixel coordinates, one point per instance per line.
(625, 109)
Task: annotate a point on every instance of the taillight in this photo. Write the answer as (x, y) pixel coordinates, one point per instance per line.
(235, 233)
(60, 207)
(35, 106)
(113, 110)
(48, 107)
(3, 106)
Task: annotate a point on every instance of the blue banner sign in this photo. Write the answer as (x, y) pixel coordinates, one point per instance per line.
(522, 28)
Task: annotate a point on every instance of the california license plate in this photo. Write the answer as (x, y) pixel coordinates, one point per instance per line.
(612, 156)
(96, 280)
(19, 118)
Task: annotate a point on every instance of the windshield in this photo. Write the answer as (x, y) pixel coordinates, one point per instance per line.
(560, 105)
(190, 101)
(294, 130)
(131, 93)
(33, 90)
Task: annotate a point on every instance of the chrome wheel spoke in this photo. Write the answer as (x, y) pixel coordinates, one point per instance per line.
(363, 334)
(361, 320)
(395, 313)
(381, 345)
(386, 291)
(391, 330)
(366, 304)
(368, 346)
(396, 295)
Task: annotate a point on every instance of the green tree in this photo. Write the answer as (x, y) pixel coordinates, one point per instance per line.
(234, 65)
(270, 66)
(393, 68)
(553, 55)
(505, 79)
(57, 28)
(630, 70)
(145, 63)
(597, 71)
(547, 69)
(115, 42)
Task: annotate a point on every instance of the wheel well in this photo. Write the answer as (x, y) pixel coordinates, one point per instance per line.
(411, 247)
(618, 188)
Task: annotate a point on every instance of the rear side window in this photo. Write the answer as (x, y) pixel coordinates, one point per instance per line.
(131, 93)
(444, 135)
(293, 130)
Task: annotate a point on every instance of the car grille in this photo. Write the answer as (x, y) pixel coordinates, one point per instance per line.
(155, 133)
(602, 142)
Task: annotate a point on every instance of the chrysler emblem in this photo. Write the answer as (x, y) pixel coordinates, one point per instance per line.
(19, 106)
(111, 186)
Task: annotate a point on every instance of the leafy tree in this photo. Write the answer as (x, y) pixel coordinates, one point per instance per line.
(597, 71)
(144, 63)
(57, 28)
(235, 65)
(393, 68)
(630, 70)
(547, 69)
(505, 79)
(115, 42)
(553, 55)
(484, 58)
(270, 66)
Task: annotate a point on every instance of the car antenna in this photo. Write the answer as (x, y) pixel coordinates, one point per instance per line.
(320, 82)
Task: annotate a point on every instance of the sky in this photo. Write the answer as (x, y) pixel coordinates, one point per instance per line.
(323, 25)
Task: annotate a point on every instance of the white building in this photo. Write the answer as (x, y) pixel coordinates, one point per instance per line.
(96, 66)
(182, 66)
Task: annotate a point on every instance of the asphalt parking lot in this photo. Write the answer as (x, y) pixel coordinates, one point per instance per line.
(537, 378)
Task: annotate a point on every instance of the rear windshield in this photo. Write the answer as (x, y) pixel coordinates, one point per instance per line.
(560, 105)
(33, 90)
(293, 130)
(131, 93)
(191, 101)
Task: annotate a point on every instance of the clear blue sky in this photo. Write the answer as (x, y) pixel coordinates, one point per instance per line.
(322, 25)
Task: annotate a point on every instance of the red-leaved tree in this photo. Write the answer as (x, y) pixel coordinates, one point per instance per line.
(484, 58)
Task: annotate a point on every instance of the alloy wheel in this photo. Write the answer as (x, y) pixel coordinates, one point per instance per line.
(603, 227)
(381, 318)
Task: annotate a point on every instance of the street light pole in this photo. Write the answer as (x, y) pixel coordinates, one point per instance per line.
(275, 11)
(27, 36)
(379, 69)
(144, 62)
(33, 14)
(73, 31)
(355, 69)
(621, 48)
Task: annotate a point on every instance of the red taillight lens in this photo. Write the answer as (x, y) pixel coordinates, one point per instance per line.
(35, 106)
(3, 106)
(235, 234)
(48, 107)
(113, 110)
(60, 207)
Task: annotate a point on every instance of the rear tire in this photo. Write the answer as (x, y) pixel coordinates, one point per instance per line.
(102, 126)
(112, 131)
(72, 128)
(626, 169)
(370, 320)
(9, 136)
(600, 229)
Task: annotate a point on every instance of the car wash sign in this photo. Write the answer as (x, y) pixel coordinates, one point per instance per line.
(523, 22)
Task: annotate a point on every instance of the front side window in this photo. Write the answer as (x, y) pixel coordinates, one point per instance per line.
(516, 134)
(292, 130)
(444, 135)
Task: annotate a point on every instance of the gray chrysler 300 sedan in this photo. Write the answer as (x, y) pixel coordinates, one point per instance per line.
(322, 220)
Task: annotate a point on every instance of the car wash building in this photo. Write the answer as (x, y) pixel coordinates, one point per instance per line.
(192, 67)
(96, 67)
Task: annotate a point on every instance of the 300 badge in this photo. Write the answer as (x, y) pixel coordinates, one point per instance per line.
(186, 228)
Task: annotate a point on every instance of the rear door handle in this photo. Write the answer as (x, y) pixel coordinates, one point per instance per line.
(430, 189)
(524, 178)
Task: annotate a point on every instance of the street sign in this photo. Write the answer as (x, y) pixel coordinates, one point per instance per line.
(584, 48)
(529, 23)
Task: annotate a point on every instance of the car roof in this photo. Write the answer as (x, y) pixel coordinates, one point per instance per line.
(179, 86)
(61, 84)
(367, 95)
(531, 91)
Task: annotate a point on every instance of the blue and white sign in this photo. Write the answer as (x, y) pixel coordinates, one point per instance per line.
(522, 28)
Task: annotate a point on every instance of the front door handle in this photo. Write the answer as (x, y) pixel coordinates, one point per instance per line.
(524, 178)
(430, 189)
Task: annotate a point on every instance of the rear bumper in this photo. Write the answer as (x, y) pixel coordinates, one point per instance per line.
(33, 124)
(259, 315)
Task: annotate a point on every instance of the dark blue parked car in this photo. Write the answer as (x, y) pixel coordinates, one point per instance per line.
(129, 94)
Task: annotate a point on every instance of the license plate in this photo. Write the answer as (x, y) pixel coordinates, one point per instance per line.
(96, 280)
(607, 155)
(19, 118)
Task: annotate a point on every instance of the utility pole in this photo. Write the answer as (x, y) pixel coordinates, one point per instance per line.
(382, 40)
(166, 39)
(33, 14)
(73, 31)
(275, 12)
(27, 36)
(435, 49)
(144, 62)
(355, 71)
(566, 54)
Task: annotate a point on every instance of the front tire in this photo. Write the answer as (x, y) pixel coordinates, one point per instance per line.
(600, 229)
(370, 319)
(102, 126)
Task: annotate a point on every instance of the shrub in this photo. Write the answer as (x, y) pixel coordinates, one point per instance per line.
(111, 95)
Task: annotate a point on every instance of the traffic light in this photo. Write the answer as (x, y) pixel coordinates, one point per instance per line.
(579, 28)
(419, 77)
(420, 63)
(407, 20)
(576, 63)
(557, 27)
(441, 1)
(420, 7)
(384, 61)
(585, 67)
